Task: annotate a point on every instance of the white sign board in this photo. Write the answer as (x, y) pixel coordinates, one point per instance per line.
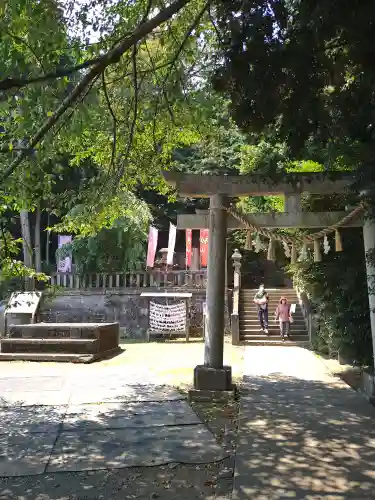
(23, 303)
(292, 308)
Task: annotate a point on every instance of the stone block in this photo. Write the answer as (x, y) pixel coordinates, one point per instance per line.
(212, 379)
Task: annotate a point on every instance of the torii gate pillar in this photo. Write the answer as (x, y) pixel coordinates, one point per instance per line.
(213, 376)
(369, 243)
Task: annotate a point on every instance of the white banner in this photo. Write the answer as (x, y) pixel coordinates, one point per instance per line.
(171, 243)
(167, 318)
(64, 265)
(152, 245)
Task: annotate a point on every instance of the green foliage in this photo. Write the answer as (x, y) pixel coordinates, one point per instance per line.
(114, 238)
(253, 204)
(219, 150)
(337, 288)
(313, 59)
(13, 272)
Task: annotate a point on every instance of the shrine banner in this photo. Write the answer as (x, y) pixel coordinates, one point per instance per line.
(189, 243)
(64, 265)
(171, 244)
(203, 244)
(152, 245)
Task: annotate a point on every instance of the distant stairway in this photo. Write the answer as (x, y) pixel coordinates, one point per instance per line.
(250, 331)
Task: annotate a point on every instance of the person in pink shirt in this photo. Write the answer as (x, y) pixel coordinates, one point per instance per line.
(284, 316)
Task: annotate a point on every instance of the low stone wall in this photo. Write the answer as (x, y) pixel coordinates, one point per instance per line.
(368, 385)
(125, 307)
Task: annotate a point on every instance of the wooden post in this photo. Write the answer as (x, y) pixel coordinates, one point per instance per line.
(187, 309)
(148, 320)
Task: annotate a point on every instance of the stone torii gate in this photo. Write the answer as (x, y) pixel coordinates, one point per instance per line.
(213, 375)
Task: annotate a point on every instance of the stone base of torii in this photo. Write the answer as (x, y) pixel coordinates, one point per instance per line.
(213, 376)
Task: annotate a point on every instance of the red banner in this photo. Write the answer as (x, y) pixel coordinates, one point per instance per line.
(203, 244)
(189, 243)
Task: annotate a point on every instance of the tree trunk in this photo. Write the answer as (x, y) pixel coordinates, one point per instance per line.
(26, 239)
(37, 246)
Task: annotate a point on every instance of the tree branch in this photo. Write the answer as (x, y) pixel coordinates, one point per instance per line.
(109, 105)
(31, 49)
(162, 88)
(114, 118)
(135, 113)
(192, 27)
(11, 83)
(111, 57)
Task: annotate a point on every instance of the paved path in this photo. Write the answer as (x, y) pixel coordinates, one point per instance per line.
(52, 421)
(303, 433)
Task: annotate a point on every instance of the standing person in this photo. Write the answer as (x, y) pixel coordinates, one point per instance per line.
(284, 316)
(261, 300)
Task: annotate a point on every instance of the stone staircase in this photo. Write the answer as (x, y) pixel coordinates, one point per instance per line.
(250, 332)
(65, 342)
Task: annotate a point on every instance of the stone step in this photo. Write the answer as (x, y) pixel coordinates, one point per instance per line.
(49, 345)
(254, 315)
(274, 293)
(49, 357)
(270, 292)
(269, 289)
(271, 332)
(275, 298)
(271, 310)
(255, 321)
(287, 343)
(252, 307)
(270, 297)
(273, 336)
(273, 327)
(250, 302)
(271, 300)
(246, 306)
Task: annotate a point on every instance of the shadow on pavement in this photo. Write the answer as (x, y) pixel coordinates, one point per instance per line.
(304, 439)
(103, 424)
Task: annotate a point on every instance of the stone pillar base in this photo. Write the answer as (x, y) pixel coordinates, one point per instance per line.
(225, 397)
(213, 379)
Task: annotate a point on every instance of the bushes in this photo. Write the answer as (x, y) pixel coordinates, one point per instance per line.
(337, 288)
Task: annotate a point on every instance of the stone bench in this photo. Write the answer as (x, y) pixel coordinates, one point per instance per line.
(82, 342)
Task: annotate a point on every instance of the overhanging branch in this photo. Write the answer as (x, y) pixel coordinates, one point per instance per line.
(11, 83)
(111, 57)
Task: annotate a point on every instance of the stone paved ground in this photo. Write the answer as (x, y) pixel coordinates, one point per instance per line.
(303, 434)
(113, 430)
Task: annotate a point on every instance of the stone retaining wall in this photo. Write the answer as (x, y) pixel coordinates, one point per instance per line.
(125, 307)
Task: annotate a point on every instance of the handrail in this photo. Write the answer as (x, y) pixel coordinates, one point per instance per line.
(307, 312)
